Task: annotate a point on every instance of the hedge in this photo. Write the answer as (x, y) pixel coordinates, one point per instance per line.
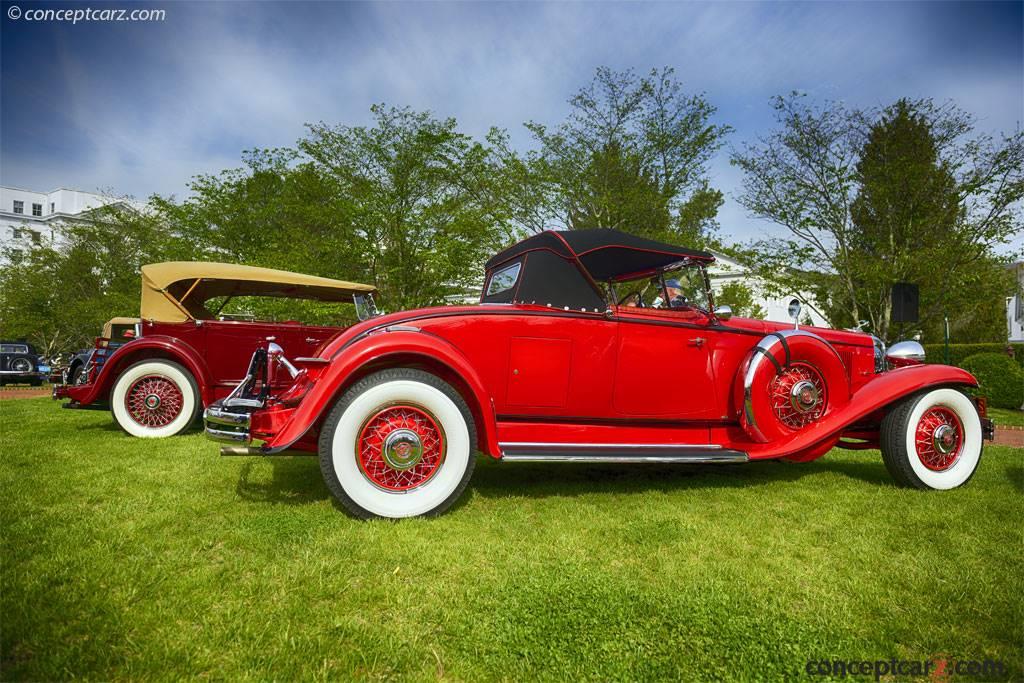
(958, 353)
(1000, 379)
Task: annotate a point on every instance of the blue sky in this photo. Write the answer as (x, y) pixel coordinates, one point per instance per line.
(139, 108)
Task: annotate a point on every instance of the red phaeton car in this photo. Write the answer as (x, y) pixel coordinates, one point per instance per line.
(182, 356)
(593, 346)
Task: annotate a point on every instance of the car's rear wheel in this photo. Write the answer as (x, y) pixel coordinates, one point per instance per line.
(932, 440)
(74, 372)
(22, 364)
(154, 399)
(398, 443)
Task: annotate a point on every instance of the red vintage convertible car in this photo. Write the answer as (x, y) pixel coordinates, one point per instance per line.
(593, 346)
(184, 356)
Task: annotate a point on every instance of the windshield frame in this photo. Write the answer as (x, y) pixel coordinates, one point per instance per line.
(659, 281)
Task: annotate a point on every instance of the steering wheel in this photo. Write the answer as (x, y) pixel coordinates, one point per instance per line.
(639, 299)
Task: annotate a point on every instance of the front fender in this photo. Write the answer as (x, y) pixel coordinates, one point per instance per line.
(885, 389)
(376, 348)
(177, 349)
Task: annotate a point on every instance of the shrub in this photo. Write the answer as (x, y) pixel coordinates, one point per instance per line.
(1001, 380)
(935, 353)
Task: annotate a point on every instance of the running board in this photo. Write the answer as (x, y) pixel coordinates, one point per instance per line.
(619, 453)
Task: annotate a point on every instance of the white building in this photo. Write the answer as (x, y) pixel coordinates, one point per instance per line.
(1015, 307)
(726, 270)
(28, 217)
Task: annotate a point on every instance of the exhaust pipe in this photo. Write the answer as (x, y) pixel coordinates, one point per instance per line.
(241, 450)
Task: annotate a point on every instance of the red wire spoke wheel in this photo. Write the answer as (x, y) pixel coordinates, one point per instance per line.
(939, 438)
(153, 401)
(400, 448)
(798, 395)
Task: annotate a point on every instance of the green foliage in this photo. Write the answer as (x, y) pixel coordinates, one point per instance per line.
(407, 204)
(999, 378)
(632, 155)
(168, 562)
(59, 298)
(870, 198)
(935, 353)
(741, 299)
(423, 216)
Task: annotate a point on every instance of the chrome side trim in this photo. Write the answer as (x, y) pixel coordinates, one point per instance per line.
(688, 458)
(609, 446)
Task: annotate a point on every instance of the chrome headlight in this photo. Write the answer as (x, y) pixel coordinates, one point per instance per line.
(905, 353)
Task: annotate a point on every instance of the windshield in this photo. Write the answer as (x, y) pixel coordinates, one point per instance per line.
(680, 288)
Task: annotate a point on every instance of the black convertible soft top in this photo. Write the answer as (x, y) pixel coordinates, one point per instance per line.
(561, 268)
(605, 254)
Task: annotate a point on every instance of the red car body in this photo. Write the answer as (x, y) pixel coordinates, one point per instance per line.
(211, 351)
(560, 373)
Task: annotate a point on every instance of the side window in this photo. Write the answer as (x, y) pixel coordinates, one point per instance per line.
(503, 280)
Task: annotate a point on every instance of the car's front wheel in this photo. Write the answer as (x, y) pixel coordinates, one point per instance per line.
(154, 399)
(398, 443)
(932, 440)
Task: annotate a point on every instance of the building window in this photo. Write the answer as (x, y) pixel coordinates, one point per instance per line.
(37, 209)
(27, 234)
(53, 207)
(19, 207)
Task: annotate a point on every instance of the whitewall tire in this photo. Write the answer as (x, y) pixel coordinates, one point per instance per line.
(399, 443)
(932, 440)
(155, 398)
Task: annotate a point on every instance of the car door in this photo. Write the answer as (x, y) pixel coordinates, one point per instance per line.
(663, 369)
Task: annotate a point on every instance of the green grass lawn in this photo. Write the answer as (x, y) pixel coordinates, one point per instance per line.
(129, 559)
(1002, 416)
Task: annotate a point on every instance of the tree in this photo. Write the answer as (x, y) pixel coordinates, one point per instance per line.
(424, 213)
(59, 297)
(632, 155)
(740, 298)
(869, 198)
(277, 210)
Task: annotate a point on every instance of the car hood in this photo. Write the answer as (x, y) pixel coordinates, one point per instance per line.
(830, 335)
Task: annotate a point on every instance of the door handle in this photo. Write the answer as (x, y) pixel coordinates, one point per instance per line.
(310, 340)
(697, 341)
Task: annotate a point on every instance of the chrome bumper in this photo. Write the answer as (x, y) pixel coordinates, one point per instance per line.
(228, 423)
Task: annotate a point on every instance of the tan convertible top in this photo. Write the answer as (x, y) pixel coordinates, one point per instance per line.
(108, 327)
(175, 291)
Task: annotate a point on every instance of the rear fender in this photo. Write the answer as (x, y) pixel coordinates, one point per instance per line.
(158, 346)
(378, 351)
(884, 390)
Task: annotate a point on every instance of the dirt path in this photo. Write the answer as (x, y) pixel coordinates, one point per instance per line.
(12, 393)
(1009, 436)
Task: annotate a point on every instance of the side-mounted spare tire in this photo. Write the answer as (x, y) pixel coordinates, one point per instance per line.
(787, 382)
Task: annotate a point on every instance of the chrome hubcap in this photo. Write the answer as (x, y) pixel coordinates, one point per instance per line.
(152, 401)
(402, 449)
(804, 396)
(944, 438)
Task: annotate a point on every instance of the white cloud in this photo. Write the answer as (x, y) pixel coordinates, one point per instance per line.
(237, 76)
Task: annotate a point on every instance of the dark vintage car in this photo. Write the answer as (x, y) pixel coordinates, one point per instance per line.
(20, 364)
(593, 346)
(184, 356)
